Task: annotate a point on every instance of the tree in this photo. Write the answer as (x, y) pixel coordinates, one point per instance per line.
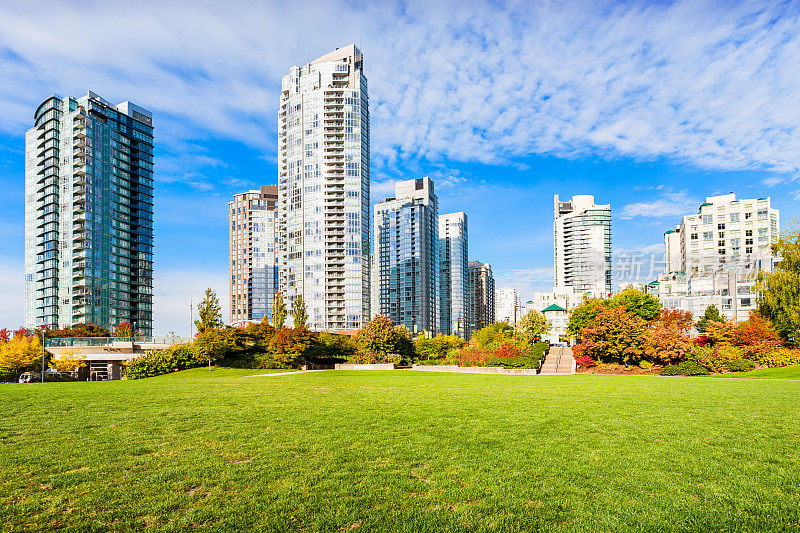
(615, 336)
(20, 352)
(290, 347)
(299, 313)
(212, 344)
(493, 335)
(675, 318)
(278, 311)
(641, 304)
(667, 342)
(381, 338)
(5, 335)
(123, 330)
(210, 313)
(532, 326)
(711, 315)
(79, 330)
(722, 333)
(581, 315)
(757, 335)
(69, 361)
(779, 290)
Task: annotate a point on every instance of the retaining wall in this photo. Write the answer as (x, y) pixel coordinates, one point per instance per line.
(476, 369)
(348, 366)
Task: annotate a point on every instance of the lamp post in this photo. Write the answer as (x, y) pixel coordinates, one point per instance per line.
(43, 352)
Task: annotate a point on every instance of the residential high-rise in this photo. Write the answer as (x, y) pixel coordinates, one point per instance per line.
(727, 231)
(507, 306)
(672, 250)
(453, 274)
(481, 296)
(407, 256)
(582, 245)
(323, 189)
(89, 214)
(253, 259)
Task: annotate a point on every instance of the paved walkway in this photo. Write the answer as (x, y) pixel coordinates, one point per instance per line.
(559, 361)
(283, 373)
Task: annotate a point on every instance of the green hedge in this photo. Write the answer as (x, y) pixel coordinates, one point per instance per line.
(522, 361)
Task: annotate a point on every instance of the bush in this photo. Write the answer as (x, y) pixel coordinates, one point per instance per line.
(439, 347)
(780, 357)
(472, 356)
(381, 338)
(645, 365)
(520, 361)
(333, 348)
(671, 370)
(741, 365)
(157, 362)
(507, 349)
(690, 368)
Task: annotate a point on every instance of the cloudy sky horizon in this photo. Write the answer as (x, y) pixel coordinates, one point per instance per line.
(651, 107)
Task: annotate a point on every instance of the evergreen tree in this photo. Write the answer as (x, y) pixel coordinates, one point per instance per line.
(779, 290)
(278, 311)
(210, 313)
(711, 315)
(299, 313)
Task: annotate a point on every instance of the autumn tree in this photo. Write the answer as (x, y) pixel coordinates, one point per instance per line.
(532, 326)
(380, 337)
(493, 335)
(711, 315)
(123, 330)
(79, 330)
(278, 311)
(299, 314)
(668, 337)
(779, 290)
(5, 335)
(615, 336)
(581, 315)
(20, 352)
(756, 335)
(722, 333)
(677, 319)
(68, 361)
(210, 313)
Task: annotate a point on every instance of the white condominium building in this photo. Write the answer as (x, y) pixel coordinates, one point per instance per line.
(726, 232)
(252, 216)
(323, 189)
(582, 245)
(507, 306)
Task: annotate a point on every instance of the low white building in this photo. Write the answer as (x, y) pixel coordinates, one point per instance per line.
(559, 320)
(507, 306)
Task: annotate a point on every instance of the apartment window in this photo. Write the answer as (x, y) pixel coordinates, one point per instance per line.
(708, 235)
(694, 236)
(748, 216)
(721, 244)
(748, 233)
(734, 217)
(708, 219)
(721, 226)
(748, 250)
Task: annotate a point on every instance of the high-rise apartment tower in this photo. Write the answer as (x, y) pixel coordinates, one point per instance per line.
(407, 256)
(453, 273)
(89, 214)
(323, 189)
(582, 245)
(252, 216)
(481, 297)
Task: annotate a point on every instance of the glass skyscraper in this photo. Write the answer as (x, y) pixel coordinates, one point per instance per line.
(253, 260)
(453, 274)
(481, 297)
(89, 214)
(323, 189)
(407, 256)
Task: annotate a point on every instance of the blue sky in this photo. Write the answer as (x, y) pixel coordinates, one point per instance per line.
(650, 107)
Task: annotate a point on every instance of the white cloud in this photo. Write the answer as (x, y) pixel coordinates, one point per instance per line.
(526, 281)
(668, 204)
(173, 291)
(714, 85)
(12, 288)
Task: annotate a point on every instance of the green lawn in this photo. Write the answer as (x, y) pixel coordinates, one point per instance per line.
(786, 372)
(401, 451)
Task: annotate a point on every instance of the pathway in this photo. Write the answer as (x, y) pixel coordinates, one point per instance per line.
(559, 361)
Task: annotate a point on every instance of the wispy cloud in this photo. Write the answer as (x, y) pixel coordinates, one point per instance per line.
(668, 204)
(713, 85)
(526, 281)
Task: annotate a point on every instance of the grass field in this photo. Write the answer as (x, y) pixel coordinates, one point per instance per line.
(786, 372)
(401, 451)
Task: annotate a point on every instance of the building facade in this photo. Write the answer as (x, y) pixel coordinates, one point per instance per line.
(323, 190)
(453, 274)
(480, 298)
(725, 232)
(582, 245)
(507, 306)
(252, 218)
(407, 256)
(89, 214)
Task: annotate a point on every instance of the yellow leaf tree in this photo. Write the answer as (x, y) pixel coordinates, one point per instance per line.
(68, 362)
(20, 352)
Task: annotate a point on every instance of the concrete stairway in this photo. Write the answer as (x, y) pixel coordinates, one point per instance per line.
(559, 361)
